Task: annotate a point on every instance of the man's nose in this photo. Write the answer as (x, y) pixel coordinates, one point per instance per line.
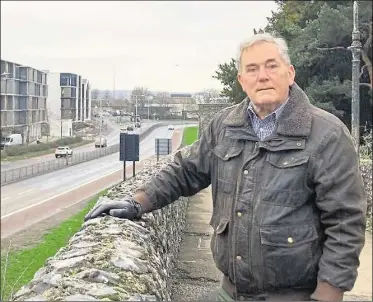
(262, 74)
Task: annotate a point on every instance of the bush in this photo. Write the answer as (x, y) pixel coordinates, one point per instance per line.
(21, 150)
(366, 146)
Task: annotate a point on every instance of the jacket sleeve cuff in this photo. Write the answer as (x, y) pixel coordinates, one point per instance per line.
(326, 292)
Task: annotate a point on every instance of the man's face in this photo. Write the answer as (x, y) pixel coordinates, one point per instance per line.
(265, 76)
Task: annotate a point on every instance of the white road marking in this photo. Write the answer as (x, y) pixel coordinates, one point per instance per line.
(5, 198)
(26, 191)
(55, 196)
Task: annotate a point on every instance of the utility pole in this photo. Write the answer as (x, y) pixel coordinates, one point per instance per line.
(100, 121)
(61, 118)
(148, 108)
(355, 101)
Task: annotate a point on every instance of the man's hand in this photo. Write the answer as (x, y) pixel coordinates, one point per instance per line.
(127, 208)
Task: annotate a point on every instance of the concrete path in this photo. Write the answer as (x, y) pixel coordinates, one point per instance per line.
(196, 276)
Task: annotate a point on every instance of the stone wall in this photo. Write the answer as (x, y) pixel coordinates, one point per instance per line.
(207, 112)
(112, 259)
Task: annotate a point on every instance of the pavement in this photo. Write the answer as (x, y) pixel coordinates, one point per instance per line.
(196, 276)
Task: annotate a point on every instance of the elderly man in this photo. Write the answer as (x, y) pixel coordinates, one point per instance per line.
(288, 199)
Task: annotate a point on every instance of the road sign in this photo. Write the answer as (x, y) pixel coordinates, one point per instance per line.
(163, 146)
(129, 150)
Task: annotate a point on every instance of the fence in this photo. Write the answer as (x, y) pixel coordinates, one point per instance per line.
(18, 174)
(53, 165)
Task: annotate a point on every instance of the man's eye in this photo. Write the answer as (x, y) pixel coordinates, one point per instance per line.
(272, 66)
(251, 69)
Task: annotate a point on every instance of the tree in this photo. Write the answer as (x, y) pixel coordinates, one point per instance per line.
(139, 94)
(162, 98)
(107, 95)
(95, 94)
(318, 34)
(227, 75)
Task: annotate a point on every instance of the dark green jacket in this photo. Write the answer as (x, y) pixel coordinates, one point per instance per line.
(287, 210)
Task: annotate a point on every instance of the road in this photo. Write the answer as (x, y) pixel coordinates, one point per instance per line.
(112, 139)
(31, 200)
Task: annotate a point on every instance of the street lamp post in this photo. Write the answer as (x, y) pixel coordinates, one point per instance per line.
(148, 108)
(355, 100)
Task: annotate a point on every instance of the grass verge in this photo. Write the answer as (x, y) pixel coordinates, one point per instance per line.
(7, 158)
(190, 135)
(19, 267)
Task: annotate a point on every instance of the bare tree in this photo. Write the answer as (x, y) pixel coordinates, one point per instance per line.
(207, 96)
(107, 95)
(163, 99)
(94, 94)
(140, 93)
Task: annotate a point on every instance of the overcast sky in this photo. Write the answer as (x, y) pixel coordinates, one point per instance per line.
(165, 46)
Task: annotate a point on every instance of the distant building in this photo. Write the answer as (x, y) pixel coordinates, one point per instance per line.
(24, 94)
(69, 101)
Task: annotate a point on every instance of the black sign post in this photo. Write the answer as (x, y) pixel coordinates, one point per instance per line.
(129, 150)
(163, 146)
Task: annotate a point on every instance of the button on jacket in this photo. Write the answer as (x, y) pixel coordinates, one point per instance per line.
(288, 210)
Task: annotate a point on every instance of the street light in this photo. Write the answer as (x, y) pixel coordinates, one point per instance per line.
(355, 100)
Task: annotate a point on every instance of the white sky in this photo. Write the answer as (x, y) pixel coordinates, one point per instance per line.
(165, 46)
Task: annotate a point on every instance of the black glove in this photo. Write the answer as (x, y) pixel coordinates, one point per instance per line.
(127, 208)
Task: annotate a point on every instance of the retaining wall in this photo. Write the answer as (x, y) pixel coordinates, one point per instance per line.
(115, 259)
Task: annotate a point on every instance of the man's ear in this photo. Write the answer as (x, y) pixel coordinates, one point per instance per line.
(291, 75)
(239, 79)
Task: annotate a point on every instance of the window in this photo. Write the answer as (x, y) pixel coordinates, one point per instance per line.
(65, 79)
(37, 89)
(45, 91)
(21, 103)
(9, 104)
(23, 88)
(3, 118)
(39, 77)
(2, 102)
(2, 66)
(23, 73)
(73, 80)
(30, 74)
(10, 118)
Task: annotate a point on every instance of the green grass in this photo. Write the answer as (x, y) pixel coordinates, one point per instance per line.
(18, 267)
(190, 135)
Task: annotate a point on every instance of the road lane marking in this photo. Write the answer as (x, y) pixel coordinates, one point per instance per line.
(63, 193)
(26, 191)
(55, 196)
(5, 198)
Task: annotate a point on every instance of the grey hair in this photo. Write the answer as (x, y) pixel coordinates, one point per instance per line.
(263, 37)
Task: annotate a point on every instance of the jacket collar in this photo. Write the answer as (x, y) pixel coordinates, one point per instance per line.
(295, 119)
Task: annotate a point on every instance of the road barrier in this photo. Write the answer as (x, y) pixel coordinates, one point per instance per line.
(18, 174)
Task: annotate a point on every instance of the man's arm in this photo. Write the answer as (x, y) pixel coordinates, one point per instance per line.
(342, 202)
(188, 174)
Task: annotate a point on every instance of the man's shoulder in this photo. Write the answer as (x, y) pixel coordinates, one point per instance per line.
(222, 114)
(325, 118)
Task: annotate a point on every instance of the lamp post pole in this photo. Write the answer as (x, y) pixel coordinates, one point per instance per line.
(355, 100)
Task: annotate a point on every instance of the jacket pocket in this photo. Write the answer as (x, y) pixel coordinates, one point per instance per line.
(220, 243)
(290, 256)
(287, 171)
(228, 162)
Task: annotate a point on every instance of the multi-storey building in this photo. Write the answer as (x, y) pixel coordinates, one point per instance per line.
(69, 101)
(24, 93)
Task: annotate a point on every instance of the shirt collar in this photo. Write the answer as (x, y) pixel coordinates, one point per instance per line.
(275, 113)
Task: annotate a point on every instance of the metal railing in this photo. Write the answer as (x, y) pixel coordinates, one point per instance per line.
(21, 173)
(18, 174)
